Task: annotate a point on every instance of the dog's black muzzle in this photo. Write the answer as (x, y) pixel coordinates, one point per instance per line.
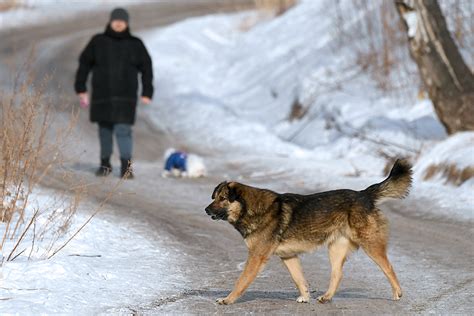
(216, 215)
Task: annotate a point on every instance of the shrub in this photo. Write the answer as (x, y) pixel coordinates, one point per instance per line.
(276, 7)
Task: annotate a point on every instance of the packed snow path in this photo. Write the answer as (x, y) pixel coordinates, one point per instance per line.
(432, 256)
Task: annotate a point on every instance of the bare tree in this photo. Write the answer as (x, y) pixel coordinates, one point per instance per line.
(449, 81)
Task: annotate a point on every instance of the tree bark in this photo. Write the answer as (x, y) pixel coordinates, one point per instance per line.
(449, 81)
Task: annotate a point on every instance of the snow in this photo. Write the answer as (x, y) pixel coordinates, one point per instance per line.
(412, 22)
(248, 80)
(457, 149)
(35, 12)
(94, 273)
(229, 92)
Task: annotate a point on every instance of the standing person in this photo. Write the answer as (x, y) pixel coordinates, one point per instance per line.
(115, 58)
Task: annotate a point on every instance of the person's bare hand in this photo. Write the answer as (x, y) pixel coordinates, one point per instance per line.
(146, 100)
(83, 100)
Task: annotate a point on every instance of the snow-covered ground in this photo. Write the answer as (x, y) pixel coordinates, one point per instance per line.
(96, 272)
(231, 92)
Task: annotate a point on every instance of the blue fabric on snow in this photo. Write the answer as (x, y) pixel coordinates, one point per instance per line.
(176, 160)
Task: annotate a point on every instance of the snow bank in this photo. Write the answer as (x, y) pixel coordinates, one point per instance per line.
(447, 158)
(231, 92)
(109, 264)
(225, 89)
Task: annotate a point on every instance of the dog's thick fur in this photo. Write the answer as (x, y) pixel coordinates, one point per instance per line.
(289, 224)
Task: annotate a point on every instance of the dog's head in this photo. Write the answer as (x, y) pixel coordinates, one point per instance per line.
(226, 204)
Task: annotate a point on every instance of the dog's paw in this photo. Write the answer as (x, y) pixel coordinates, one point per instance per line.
(303, 299)
(397, 295)
(223, 301)
(323, 299)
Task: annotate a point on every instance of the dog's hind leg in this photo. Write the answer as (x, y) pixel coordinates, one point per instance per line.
(293, 265)
(378, 253)
(253, 266)
(338, 251)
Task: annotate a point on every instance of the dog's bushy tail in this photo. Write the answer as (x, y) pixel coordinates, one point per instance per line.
(396, 186)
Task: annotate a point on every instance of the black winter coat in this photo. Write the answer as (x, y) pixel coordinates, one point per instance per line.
(115, 60)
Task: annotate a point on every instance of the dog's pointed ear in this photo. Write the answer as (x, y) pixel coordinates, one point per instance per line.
(217, 189)
(233, 192)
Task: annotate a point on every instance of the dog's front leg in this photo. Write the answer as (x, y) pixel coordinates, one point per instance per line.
(293, 264)
(253, 266)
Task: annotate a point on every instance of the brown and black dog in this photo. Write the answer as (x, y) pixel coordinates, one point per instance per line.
(289, 224)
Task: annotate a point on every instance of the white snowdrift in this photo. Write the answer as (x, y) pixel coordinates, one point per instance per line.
(457, 151)
(230, 92)
(230, 89)
(110, 263)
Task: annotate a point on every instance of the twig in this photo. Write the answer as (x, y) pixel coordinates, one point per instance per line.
(23, 234)
(361, 134)
(358, 133)
(18, 254)
(101, 206)
(33, 241)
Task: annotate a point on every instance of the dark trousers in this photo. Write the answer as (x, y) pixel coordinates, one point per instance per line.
(123, 134)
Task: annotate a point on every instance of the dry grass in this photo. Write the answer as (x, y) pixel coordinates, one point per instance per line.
(26, 155)
(31, 153)
(379, 44)
(267, 9)
(380, 48)
(450, 172)
(276, 7)
(6, 5)
(298, 111)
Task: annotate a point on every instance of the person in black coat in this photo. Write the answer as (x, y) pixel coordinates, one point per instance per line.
(115, 59)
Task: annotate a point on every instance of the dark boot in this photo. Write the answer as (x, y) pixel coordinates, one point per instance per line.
(105, 168)
(126, 169)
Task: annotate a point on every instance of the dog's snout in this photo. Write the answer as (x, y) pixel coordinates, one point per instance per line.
(208, 210)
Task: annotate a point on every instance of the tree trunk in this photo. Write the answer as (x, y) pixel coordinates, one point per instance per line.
(449, 81)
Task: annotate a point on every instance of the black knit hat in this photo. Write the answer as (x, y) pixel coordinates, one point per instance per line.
(119, 14)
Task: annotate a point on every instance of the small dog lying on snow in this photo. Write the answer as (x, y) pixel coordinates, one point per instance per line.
(181, 164)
